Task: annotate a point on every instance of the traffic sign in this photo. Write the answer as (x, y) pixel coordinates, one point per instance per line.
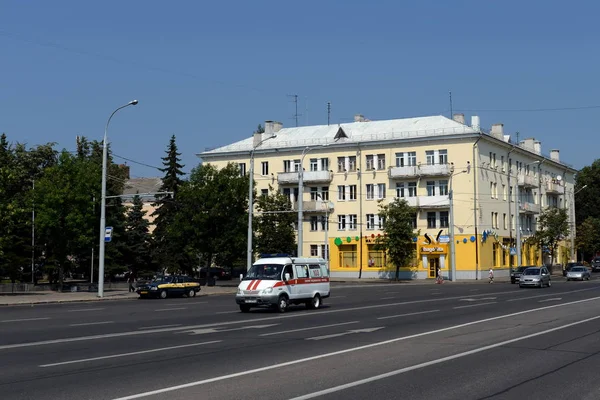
(108, 234)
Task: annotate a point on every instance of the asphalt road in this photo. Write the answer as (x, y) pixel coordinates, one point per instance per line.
(384, 341)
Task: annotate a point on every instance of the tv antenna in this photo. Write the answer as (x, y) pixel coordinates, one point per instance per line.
(296, 115)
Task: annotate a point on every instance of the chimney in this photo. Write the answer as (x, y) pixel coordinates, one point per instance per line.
(256, 139)
(528, 144)
(498, 131)
(271, 128)
(359, 118)
(475, 124)
(554, 155)
(537, 146)
(277, 126)
(460, 118)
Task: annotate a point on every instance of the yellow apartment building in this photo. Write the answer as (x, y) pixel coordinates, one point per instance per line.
(499, 188)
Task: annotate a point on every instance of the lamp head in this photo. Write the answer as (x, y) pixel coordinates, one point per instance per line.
(133, 102)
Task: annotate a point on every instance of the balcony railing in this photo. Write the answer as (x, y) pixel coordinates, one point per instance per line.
(554, 188)
(308, 177)
(526, 207)
(433, 201)
(313, 206)
(528, 181)
(414, 171)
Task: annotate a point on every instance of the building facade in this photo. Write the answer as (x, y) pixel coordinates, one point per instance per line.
(495, 189)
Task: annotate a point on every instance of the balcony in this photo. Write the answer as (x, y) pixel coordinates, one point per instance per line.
(528, 181)
(433, 202)
(284, 178)
(554, 188)
(529, 208)
(313, 206)
(415, 171)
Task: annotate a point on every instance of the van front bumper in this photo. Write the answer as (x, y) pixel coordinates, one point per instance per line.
(258, 300)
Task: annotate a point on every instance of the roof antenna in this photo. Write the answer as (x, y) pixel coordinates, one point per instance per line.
(450, 93)
(328, 112)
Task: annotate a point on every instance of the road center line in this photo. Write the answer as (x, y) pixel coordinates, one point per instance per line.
(552, 294)
(171, 309)
(409, 314)
(93, 323)
(24, 320)
(228, 312)
(475, 305)
(438, 361)
(85, 309)
(307, 329)
(358, 348)
(159, 326)
(387, 298)
(127, 354)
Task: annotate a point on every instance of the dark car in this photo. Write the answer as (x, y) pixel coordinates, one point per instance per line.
(218, 273)
(169, 286)
(596, 264)
(515, 274)
(571, 265)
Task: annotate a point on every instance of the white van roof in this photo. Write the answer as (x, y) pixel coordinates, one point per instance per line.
(286, 260)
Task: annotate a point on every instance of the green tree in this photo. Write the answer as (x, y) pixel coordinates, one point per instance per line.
(275, 224)
(259, 129)
(137, 255)
(587, 201)
(588, 240)
(166, 251)
(553, 227)
(397, 239)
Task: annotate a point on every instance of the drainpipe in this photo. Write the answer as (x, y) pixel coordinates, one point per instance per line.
(360, 213)
(475, 175)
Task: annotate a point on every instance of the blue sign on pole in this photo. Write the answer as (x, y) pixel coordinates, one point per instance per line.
(108, 234)
(513, 251)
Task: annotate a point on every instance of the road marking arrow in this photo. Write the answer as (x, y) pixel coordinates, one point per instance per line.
(217, 330)
(553, 299)
(364, 330)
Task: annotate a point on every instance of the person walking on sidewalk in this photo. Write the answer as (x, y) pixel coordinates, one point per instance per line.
(491, 275)
(131, 280)
(439, 278)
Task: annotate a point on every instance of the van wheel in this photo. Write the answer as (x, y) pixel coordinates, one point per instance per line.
(244, 308)
(163, 294)
(282, 304)
(314, 303)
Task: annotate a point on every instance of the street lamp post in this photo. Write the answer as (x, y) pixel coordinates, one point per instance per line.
(251, 201)
(103, 202)
(451, 228)
(328, 207)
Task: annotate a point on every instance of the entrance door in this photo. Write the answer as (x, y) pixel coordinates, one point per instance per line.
(434, 264)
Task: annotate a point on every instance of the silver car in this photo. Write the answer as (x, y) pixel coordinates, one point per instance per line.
(579, 273)
(536, 277)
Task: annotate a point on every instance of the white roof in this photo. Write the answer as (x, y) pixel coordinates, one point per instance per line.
(368, 131)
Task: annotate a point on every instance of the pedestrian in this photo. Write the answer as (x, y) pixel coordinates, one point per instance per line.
(491, 275)
(439, 278)
(131, 280)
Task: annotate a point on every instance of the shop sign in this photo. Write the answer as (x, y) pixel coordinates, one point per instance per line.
(433, 249)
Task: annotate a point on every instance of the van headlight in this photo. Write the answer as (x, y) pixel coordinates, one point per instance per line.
(268, 290)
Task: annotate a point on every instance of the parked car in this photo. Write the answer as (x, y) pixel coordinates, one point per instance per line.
(218, 273)
(570, 265)
(536, 277)
(596, 264)
(579, 272)
(515, 275)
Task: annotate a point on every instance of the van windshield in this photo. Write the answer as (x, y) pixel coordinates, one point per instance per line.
(264, 271)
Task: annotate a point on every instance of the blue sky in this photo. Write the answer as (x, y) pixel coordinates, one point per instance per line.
(210, 72)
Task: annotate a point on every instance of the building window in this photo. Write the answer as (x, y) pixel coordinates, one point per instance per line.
(380, 161)
(443, 157)
(444, 219)
(381, 190)
(242, 169)
(399, 159)
(431, 220)
(341, 193)
(314, 164)
(399, 189)
(324, 164)
(314, 223)
(287, 166)
(504, 192)
(413, 222)
(381, 223)
(265, 168)
(370, 221)
(341, 222)
(504, 220)
(352, 194)
(325, 193)
(352, 222)
(430, 188)
(370, 191)
(495, 254)
(412, 189)
(341, 164)
(412, 158)
(324, 223)
(496, 220)
(370, 162)
(430, 156)
(352, 163)
(314, 250)
(314, 193)
(492, 220)
(443, 188)
(264, 192)
(297, 165)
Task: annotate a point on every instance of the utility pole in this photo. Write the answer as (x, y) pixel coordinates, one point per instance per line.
(33, 237)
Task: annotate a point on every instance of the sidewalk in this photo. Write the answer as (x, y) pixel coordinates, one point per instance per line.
(48, 297)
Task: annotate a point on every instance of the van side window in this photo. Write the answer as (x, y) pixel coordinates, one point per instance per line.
(288, 270)
(315, 271)
(301, 271)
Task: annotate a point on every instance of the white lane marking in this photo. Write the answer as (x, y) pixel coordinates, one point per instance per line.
(159, 326)
(24, 319)
(387, 298)
(333, 335)
(93, 323)
(227, 312)
(308, 329)
(552, 294)
(171, 309)
(476, 305)
(483, 298)
(85, 309)
(346, 351)
(127, 354)
(553, 299)
(438, 361)
(409, 314)
(241, 321)
(187, 303)
(215, 330)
